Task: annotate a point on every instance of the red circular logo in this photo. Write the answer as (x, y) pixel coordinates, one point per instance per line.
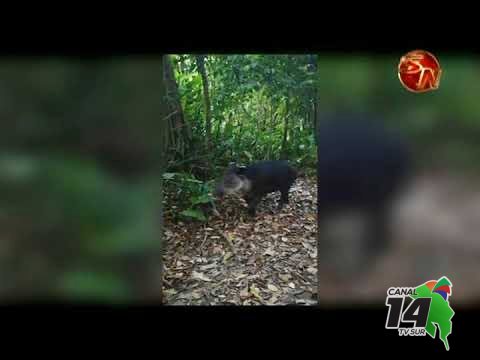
(419, 71)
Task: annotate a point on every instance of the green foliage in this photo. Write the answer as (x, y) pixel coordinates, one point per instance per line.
(194, 214)
(80, 197)
(104, 219)
(94, 286)
(187, 197)
(442, 125)
(251, 97)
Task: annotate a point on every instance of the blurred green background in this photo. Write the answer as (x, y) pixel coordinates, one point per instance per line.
(436, 220)
(81, 151)
(442, 125)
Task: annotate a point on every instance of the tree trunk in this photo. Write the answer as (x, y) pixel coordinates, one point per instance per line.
(314, 67)
(200, 60)
(285, 130)
(164, 146)
(178, 129)
(272, 118)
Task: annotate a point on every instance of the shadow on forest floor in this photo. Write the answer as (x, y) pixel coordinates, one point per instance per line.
(233, 260)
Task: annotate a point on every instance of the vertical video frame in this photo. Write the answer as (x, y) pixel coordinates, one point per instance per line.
(239, 184)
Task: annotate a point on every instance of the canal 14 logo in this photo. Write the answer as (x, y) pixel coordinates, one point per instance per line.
(421, 310)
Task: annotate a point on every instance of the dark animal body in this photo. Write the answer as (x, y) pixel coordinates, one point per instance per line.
(253, 182)
(361, 166)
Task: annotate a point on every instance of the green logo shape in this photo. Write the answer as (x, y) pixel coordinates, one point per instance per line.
(440, 314)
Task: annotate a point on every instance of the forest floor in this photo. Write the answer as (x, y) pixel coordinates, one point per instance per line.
(272, 261)
(235, 260)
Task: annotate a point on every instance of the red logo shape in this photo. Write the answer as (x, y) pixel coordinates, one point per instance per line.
(419, 71)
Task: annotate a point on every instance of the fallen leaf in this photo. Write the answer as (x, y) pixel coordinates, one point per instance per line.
(269, 252)
(217, 250)
(207, 267)
(305, 301)
(307, 246)
(244, 293)
(272, 287)
(170, 292)
(272, 301)
(200, 276)
(255, 292)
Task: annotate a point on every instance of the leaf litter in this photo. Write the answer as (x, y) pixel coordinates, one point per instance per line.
(234, 260)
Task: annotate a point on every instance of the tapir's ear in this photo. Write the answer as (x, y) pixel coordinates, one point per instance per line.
(232, 168)
(240, 170)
